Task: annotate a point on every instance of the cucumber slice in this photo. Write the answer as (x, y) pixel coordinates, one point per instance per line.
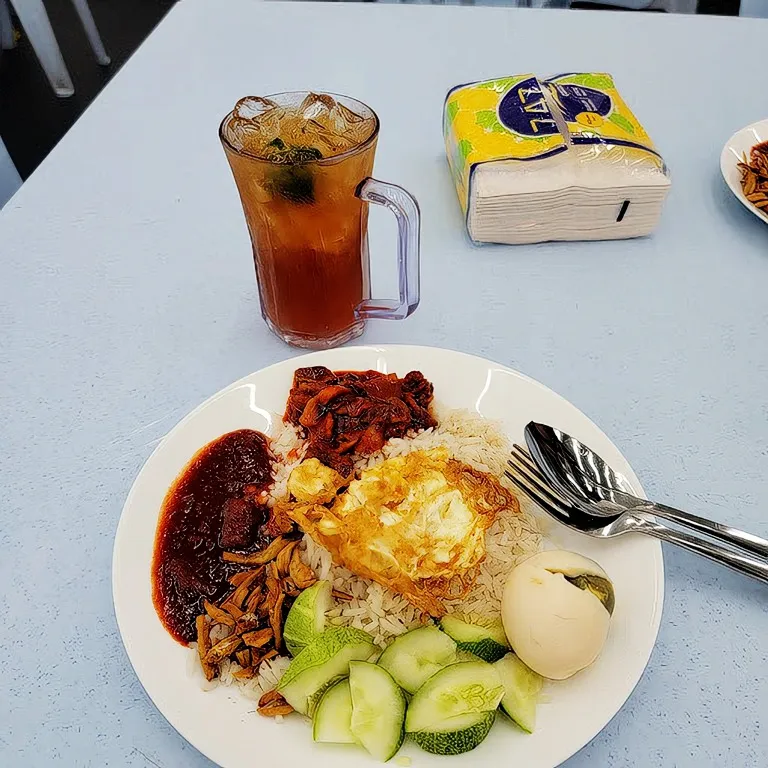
(521, 691)
(468, 731)
(323, 662)
(412, 658)
(306, 619)
(477, 634)
(378, 709)
(333, 716)
(466, 688)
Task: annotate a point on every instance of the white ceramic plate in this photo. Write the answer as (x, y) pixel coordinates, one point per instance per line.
(222, 724)
(739, 144)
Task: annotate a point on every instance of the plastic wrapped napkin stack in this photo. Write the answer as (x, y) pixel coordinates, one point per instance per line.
(558, 159)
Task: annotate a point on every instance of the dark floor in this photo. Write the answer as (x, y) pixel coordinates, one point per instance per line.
(33, 119)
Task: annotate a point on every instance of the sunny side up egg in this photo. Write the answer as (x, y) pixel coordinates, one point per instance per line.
(412, 522)
(423, 521)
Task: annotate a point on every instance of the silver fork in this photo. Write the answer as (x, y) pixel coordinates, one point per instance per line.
(526, 476)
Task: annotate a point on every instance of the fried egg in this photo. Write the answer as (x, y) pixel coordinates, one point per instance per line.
(314, 482)
(412, 523)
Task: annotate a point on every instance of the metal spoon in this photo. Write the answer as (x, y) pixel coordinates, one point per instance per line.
(597, 492)
(526, 476)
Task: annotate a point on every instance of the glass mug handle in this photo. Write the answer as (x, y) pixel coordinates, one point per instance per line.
(406, 211)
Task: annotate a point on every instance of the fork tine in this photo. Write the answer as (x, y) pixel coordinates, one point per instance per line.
(553, 509)
(524, 466)
(523, 454)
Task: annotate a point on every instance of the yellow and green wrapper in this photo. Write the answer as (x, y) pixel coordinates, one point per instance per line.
(527, 119)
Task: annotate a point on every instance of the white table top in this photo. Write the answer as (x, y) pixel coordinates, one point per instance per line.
(128, 296)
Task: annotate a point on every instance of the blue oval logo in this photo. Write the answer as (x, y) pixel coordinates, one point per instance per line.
(524, 110)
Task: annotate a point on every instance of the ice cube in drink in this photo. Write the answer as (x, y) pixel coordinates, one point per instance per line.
(287, 134)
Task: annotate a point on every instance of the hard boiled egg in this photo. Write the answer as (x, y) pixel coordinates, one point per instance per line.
(556, 610)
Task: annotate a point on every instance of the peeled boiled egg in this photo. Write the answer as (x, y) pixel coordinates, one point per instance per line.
(556, 610)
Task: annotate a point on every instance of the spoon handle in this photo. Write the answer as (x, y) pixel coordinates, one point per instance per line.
(725, 533)
(745, 564)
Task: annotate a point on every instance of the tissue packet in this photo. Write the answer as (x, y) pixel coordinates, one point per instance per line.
(557, 159)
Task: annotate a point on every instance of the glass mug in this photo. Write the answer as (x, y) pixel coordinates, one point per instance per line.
(302, 163)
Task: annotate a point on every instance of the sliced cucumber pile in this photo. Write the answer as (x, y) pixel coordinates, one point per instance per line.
(414, 657)
(354, 699)
(378, 709)
(333, 716)
(324, 661)
(455, 709)
(479, 635)
(522, 687)
(306, 619)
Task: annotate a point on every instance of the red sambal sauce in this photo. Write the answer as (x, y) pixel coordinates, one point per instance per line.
(213, 506)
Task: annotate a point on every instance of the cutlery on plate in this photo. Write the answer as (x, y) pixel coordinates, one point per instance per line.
(578, 488)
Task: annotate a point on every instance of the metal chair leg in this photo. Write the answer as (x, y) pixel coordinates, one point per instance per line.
(86, 17)
(6, 27)
(37, 26)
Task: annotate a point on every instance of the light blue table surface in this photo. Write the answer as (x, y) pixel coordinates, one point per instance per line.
(127, 297)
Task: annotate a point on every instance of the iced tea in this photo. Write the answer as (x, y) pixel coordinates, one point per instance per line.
(298, 160)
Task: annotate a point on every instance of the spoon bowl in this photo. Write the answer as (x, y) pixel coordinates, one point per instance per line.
(579, 474)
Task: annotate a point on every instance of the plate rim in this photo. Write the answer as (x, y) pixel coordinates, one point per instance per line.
(727, 163)
(660, 580)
